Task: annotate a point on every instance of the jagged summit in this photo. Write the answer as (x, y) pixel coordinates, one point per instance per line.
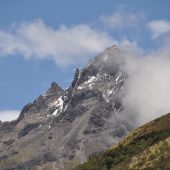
(41, 107)
(55, 88)
(62, 128)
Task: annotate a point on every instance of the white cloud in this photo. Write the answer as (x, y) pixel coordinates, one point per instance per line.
(8, 115)
(122, 20)
(147, 89)
(65, 45)
(159, 28)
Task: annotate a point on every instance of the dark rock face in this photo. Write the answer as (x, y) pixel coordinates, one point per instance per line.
(24, 110)
(60, 129)
(27, 129)
(76, 77)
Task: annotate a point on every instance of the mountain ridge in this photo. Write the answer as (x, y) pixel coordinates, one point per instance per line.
(62, 128)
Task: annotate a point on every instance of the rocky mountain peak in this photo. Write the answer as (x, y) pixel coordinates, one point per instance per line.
(62, 128)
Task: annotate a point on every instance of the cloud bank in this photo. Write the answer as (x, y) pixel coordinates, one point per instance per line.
(65, 45)
(147, 89)
(9, 115)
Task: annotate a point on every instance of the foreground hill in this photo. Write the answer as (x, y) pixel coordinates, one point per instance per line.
(146, 148)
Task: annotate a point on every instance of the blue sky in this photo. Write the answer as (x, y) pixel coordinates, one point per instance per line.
(44, 41)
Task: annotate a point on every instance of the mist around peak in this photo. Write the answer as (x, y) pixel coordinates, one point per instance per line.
(146, 90)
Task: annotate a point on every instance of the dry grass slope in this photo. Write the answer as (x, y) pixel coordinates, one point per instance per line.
(146, 148)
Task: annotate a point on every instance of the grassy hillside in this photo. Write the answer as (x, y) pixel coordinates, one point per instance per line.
(146, 148)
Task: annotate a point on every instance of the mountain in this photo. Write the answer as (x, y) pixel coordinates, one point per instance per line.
(62, 128)
(146, 148)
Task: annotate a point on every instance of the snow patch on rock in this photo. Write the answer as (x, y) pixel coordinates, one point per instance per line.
(59, 104)
(91, 79)
(89, 83)
(79, 87)
(119, 78)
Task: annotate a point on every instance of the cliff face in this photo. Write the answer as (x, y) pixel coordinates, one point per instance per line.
(61, 128)
(147, 147)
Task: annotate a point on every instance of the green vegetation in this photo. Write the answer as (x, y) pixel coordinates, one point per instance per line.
(148, 147)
